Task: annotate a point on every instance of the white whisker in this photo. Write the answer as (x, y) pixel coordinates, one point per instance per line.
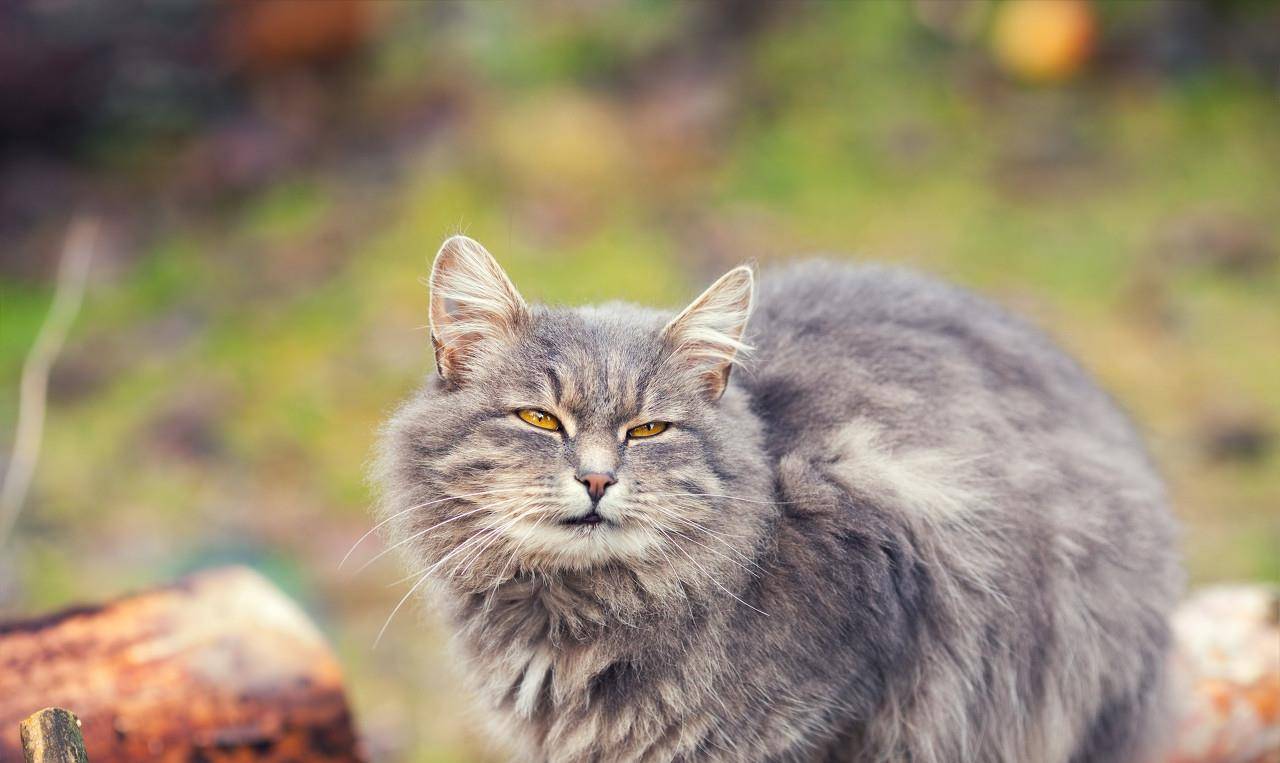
(720, 554)
(401, 513)
(717, 583)
(472, 542)
(514, 552)
(415, 536)
(719, 495)
(400, 604)
(718, 537)
(498, 534)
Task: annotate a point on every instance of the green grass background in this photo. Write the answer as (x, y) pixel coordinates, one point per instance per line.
(222, 387)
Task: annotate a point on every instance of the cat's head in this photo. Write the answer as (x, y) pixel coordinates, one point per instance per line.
(565, 438)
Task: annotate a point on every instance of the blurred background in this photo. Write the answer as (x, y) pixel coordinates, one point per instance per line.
(274, 176)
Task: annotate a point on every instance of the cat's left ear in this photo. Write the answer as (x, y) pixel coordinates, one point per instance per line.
(706, 337)
(474, 306)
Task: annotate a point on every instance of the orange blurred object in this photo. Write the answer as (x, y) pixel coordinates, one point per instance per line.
(1227, 668)
(275, 34)
(1044, 40)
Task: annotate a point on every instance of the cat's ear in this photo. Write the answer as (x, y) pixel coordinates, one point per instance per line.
(474, 306)
(706, 337)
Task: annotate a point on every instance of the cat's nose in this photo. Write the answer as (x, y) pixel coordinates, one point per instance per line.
(596, 483)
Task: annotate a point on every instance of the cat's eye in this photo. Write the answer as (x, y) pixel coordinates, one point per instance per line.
(647, 430)
(540, 419)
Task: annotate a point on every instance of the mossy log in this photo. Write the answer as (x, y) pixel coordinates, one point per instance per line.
(52, 735)
(218, 667)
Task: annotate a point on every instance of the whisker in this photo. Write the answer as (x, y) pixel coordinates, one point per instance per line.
(720, 495)
(670, 560)
(718, 537)
(468, 543)
(416, 535)
(399, 604)
(475, 555)
(720, 554)
(374, 529)
(498, 533)
(470, 539)
(712, 578)
(711, 534)
(515, 551)
(471, 542)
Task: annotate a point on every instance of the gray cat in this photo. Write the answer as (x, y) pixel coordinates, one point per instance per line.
(908, 528)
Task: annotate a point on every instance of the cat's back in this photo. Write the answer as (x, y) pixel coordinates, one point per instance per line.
(835, 342)
(921, 407)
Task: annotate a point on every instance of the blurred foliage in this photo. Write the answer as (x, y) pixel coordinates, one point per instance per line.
(259, 310)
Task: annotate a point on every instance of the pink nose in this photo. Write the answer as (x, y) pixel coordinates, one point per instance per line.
(596, 484)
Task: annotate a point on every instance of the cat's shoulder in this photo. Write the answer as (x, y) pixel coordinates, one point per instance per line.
(822, 286)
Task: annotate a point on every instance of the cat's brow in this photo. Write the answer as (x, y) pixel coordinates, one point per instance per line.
(557, 388)
(639, 388)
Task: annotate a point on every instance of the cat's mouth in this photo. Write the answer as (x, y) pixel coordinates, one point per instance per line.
(590, 519)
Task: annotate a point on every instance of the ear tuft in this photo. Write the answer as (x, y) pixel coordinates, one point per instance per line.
(474, 306)
(706, 337)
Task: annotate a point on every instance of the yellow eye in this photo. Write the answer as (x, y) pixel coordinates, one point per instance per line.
(540, 419)
(647, 430)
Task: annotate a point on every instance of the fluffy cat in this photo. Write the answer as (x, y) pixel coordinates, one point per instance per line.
(908, 528)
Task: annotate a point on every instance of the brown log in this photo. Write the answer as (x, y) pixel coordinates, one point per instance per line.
(52, 735)
(218, 667)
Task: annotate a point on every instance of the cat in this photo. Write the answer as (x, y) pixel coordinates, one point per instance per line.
(905, 528)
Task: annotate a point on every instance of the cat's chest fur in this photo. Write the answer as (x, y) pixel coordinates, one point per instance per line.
(562, 676)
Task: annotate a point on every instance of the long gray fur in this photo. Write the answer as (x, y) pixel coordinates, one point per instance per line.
(910, 529)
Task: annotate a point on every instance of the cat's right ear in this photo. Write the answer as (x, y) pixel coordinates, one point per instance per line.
(706, 338)
(474, 306)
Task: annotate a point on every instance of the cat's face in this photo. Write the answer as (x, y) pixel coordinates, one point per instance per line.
(566, 437)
